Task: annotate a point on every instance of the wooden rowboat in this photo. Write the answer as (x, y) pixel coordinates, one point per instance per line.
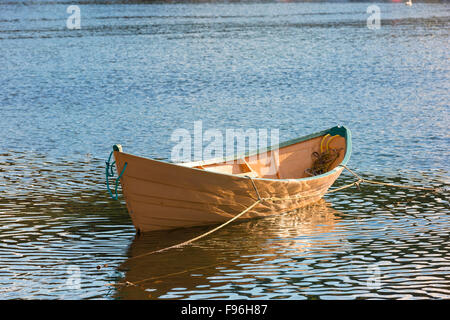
(161, 195)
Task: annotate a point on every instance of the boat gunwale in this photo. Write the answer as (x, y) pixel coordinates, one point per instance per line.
(348, 150)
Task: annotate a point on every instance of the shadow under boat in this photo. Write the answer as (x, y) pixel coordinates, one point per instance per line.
(253, 241)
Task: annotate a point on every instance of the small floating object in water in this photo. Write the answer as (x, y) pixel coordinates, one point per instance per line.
(161, 195)
(408, 3)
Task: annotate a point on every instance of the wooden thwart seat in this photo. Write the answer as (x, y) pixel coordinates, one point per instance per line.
(247, 170)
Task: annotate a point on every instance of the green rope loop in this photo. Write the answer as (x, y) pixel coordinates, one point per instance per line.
(109, 173)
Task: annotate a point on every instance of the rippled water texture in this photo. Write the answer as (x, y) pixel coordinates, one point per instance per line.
(134, 73)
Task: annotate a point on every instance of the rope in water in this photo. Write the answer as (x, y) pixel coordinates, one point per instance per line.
(260, 200)
(362, 180)
(136, 283)
(200, 236)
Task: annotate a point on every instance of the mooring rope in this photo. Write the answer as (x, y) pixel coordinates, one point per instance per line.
(254, 187)
(136, 283)
(362, 180)
(260, 200)
(200, 236)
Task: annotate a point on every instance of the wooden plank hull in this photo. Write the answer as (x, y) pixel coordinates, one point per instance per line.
(162, 195)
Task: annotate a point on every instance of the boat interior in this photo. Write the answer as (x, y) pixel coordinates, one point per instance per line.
(295, 160)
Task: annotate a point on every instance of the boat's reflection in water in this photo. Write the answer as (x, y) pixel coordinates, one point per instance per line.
(227, 264)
